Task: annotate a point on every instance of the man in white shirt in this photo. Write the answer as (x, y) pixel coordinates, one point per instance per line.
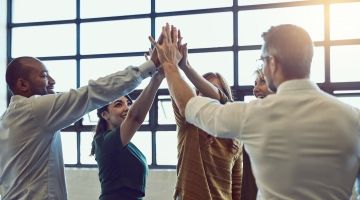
(303, 143)
(31, 161)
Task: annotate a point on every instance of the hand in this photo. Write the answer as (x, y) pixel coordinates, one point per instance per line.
(150, 53)
(167, 50)
(184, 52)
(153, 54)
(184, 63)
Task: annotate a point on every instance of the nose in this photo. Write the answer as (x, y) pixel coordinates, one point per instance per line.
(127, 107)
(51, 80)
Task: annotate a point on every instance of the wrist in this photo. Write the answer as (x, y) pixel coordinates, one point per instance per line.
(156, 62)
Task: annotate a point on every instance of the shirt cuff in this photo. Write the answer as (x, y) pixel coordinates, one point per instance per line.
(147, 69)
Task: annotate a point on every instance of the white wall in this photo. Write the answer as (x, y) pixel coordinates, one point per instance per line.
(83, 184)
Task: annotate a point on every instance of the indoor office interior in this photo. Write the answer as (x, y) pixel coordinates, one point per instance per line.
(79, 40)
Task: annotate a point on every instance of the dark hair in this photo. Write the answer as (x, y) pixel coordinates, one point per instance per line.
(292, 47)
(16, 69)
(225, 88)
(102, 125)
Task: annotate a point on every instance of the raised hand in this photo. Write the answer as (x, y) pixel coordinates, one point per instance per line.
(184, 63)
(167, 50)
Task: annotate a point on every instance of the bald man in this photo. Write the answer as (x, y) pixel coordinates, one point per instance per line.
(31, 161)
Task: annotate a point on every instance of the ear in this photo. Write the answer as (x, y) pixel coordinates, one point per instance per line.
(22, 85)
(105, 115)
(274, 66)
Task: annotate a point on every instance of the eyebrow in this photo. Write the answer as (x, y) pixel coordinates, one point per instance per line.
(117, 101)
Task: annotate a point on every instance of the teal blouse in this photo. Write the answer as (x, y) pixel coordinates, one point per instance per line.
(122, 169)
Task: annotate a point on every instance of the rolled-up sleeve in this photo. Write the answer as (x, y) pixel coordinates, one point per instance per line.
(218, 120)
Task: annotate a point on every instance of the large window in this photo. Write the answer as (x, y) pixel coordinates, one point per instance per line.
(80, 40)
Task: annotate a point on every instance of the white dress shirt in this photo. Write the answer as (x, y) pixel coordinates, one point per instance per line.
(31, 161)
(303, 143)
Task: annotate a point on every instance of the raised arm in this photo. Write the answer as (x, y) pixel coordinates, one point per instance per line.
(139, 109)
(204, 86)
(169, 57)
(60, 110)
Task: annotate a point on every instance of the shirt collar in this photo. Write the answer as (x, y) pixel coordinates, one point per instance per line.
(16, 98)
(297, 84)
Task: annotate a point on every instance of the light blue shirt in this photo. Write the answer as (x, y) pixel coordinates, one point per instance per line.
(31, 161)
(303, 143)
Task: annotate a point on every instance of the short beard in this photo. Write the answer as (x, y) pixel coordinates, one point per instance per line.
(271, 86)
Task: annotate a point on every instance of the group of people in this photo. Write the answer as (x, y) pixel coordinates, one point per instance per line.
(297, 141)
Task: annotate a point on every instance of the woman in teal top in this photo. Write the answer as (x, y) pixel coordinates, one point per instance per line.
(122, 166)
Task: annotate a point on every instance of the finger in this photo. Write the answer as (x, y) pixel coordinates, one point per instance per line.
(153, 42)
(146, 56)
(160, 39)
(179, 39)
(167, 32)
(164, 35)
(174, 35)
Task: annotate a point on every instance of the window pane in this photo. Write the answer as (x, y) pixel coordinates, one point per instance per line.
(106, 8)
(86, 139)
(343, 23)
(253, 2)
(220, 33)
(309, 17)
(142, 140)
(115, 36)
(96, 68)
(90, 118)
(64, 73)
(166, 143)
(221, 62)
(248, 65)
(69, 147)
(43, 10)
(166, 5)
(165, 110)
(54, 40)
(345, 63)
(354, 101)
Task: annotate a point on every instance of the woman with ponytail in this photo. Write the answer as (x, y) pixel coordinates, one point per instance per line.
(122, 166)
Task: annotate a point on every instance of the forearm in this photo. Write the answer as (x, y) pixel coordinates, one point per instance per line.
(179, 89)
(204, 86)
(143, 103)
(62, 109)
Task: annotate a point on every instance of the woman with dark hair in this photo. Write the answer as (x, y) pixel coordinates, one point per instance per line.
(208, 167)
(122, 166)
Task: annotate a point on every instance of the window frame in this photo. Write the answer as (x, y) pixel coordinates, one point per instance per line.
(239, 91)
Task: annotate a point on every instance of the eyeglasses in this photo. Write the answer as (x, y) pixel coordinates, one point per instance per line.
(260, 62)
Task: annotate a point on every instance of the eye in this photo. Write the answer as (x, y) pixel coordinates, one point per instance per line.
(44, 75)
(118, 104)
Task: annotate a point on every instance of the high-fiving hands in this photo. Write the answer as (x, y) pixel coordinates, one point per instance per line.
(167, 49)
